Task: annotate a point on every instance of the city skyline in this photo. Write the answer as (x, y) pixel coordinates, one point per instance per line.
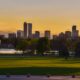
(54, 15)
(27, 33)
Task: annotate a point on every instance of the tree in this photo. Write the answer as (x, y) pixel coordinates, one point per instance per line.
(77, 50)
(55, 44)
(33, 44)
(22, 45)
(63, 50)
(43, 45)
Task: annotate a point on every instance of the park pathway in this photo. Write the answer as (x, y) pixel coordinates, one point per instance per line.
(21, 77)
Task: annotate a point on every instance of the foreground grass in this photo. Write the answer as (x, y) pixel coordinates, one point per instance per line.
(39, 66)
(40, 71)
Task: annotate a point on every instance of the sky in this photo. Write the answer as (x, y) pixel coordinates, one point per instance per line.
(55, 15)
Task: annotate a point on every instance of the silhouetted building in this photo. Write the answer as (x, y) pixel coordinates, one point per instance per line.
(37, 34)
(2, 36)
(74, 28)
(61, 35)
(25, 30)
(75, 32)
(12, 35)
(33, 36)
(19, 34)
(29, 25)
(55, 37)
(0, 42)
(47, 34)
(68, 34)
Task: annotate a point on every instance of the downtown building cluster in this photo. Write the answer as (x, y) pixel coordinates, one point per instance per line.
(73, 34)
(27, 33)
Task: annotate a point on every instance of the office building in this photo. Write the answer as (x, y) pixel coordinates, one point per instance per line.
(74, 28)
(47, 34)
(61, 35)
(2, 36)
(19, 34)
(0, 42)
(25, 30)
(55, 37)
(37, 34)
(68, 34)
(75, 32)
(29, 25)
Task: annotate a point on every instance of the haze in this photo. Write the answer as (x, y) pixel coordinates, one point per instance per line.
(55, 15)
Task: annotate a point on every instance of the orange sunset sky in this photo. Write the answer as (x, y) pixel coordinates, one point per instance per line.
(55, 15)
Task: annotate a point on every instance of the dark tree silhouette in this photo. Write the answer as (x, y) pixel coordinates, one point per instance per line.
(22, 45)
(33, 44)
(43, 45)
(63, 50)
(77, 50)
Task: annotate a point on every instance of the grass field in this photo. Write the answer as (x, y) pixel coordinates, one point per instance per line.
(39, 66)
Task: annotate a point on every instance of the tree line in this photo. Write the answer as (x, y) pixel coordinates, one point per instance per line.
(42, 45)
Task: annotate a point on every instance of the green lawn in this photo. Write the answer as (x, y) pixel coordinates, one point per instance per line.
(39, 66)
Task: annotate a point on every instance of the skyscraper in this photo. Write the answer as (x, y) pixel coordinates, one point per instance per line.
(55, 37)
(47, 34)
(29, 25)
(19, 34)
(74, 28)
(68, 34)
(25, 30)
(37, 34)
(75, 32)
(61, 35)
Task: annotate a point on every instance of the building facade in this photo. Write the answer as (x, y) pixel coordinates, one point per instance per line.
(47, 34)
(75, 32)
(25, 30)
(29, 25)
(19, 34)
(68, 34)
(37, 34)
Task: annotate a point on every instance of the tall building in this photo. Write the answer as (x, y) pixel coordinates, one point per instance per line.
(68, 34)
(33, 36)
(37, 34)
(55, 37)
(61, 35)
(19, 34)
(29, 25)
(47, 34)
(0, 42)
(2, 36)
(25, 30)
(75, 32)
(74, 28)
